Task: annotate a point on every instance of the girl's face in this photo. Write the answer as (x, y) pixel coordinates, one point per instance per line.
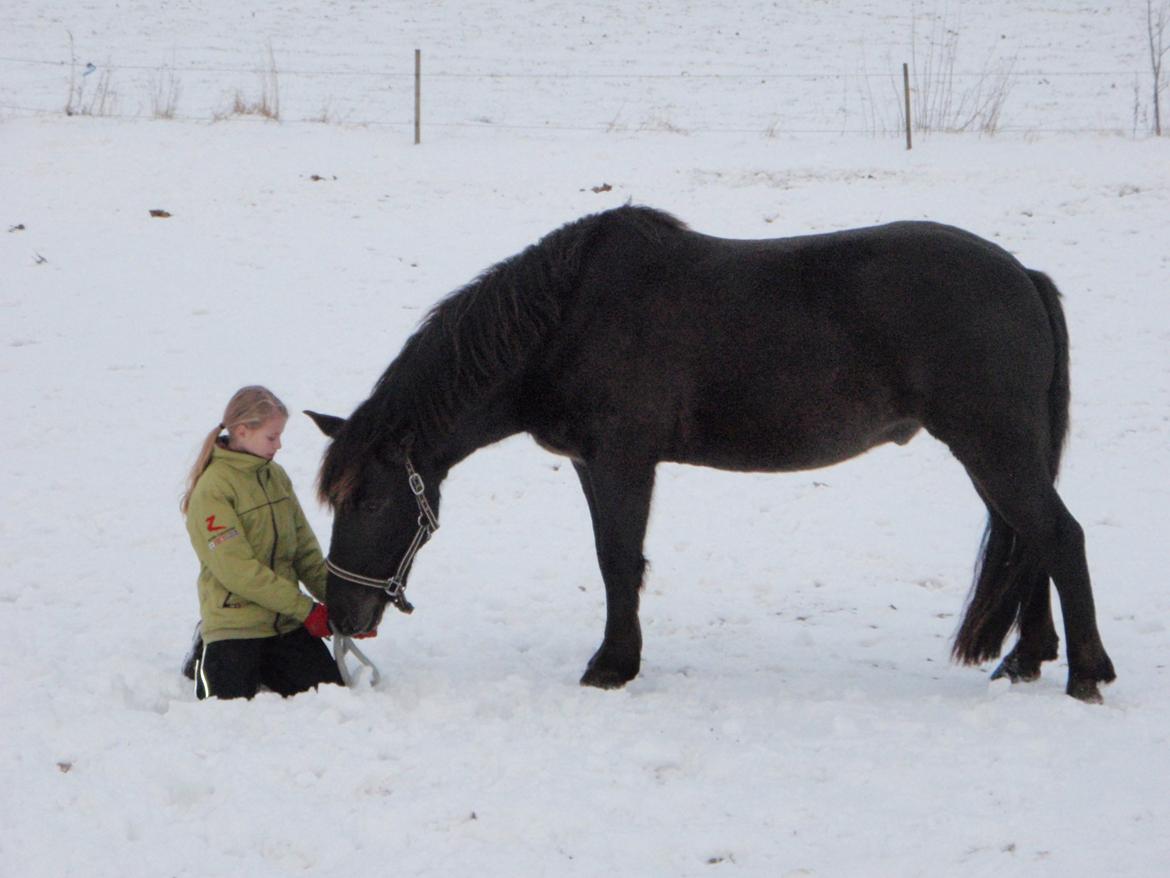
(262, 441)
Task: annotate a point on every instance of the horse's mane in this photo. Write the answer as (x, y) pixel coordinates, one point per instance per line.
(470, 343)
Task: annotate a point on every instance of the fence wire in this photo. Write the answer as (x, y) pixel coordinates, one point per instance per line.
(763, 102)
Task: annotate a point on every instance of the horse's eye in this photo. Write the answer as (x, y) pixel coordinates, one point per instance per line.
(373, 505)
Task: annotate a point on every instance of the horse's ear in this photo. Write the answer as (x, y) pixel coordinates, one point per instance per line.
(328, 424)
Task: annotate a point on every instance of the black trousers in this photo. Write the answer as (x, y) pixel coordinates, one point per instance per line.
(288, 664)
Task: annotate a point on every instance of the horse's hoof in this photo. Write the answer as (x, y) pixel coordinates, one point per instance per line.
(605, 678)
(1085, 690)
(1016, 670)
(1083, 685)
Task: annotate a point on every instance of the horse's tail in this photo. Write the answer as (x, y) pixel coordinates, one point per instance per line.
(1058, 389)
(1007, 575)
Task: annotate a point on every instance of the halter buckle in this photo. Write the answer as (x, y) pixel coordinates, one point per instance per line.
(396, 592)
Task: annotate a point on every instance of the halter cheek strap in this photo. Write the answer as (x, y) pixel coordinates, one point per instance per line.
(395, 586)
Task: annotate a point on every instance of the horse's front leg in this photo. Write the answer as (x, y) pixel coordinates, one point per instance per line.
(618, 491)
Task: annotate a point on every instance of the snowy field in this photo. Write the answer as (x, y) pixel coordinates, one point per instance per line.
(796, 714)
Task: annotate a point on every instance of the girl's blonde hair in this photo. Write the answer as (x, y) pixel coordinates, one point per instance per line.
(249, 406)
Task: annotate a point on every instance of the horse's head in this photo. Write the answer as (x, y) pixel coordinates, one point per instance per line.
(384, 510)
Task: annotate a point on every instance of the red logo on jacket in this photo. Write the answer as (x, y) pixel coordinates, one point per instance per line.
(212, 527)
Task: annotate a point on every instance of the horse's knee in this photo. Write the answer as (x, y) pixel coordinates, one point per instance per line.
(622, 564)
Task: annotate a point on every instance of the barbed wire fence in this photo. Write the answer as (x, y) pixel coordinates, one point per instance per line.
(409, 98)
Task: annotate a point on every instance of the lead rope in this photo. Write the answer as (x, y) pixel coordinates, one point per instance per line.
(343, 646)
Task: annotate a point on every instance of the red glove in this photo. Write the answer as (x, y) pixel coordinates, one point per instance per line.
(317, 622)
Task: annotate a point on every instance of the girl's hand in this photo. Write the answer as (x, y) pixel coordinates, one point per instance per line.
(317, 622)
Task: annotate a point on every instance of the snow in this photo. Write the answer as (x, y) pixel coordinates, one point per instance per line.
(796, 713)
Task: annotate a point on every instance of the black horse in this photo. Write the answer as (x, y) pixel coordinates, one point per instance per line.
(624, 339)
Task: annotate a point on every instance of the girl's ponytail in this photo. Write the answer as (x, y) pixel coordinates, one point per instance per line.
(202, 462)
(251, 406)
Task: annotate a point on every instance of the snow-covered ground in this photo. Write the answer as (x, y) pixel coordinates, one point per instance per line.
(796, 712)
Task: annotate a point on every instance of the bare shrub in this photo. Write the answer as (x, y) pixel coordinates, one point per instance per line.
(267, 105)
(659, 121)
(946, 100)
(1157, 20)
(270, 89)
(164, 93)
(328, 115)
(84, 100)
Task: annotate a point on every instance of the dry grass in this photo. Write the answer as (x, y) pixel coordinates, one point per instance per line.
(89, 95)
(267, 104)
(164, 95)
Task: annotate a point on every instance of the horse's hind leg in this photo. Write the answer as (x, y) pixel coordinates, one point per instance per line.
(1038, 641)
(1013, 477)
(618, 492)
(1030, 608)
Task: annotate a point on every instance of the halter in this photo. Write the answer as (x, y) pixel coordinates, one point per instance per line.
(395, 586)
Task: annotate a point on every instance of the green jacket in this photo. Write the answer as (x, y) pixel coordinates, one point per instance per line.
(254, 544)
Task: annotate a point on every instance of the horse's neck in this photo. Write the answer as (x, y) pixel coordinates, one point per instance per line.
(475, 430)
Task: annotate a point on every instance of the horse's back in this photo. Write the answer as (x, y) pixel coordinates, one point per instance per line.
(908, 296)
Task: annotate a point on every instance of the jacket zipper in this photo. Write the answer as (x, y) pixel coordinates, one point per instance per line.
(275, 539)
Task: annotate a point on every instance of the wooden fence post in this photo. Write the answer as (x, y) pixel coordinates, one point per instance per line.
(906, 93)
(417, 96)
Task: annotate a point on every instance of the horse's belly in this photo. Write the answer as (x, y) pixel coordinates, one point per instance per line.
(745, 445)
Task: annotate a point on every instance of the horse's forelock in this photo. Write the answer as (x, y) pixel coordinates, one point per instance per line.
(338, 491)
(338, 480)
(333, 485)
(368, 435)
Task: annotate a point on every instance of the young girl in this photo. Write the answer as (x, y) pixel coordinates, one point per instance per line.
(254, 545)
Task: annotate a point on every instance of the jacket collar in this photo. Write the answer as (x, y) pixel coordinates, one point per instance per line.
(240, 460)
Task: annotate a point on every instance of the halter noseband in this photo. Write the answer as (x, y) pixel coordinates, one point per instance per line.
(395, 586)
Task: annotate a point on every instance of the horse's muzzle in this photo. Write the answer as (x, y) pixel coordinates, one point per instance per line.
(353, 612)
